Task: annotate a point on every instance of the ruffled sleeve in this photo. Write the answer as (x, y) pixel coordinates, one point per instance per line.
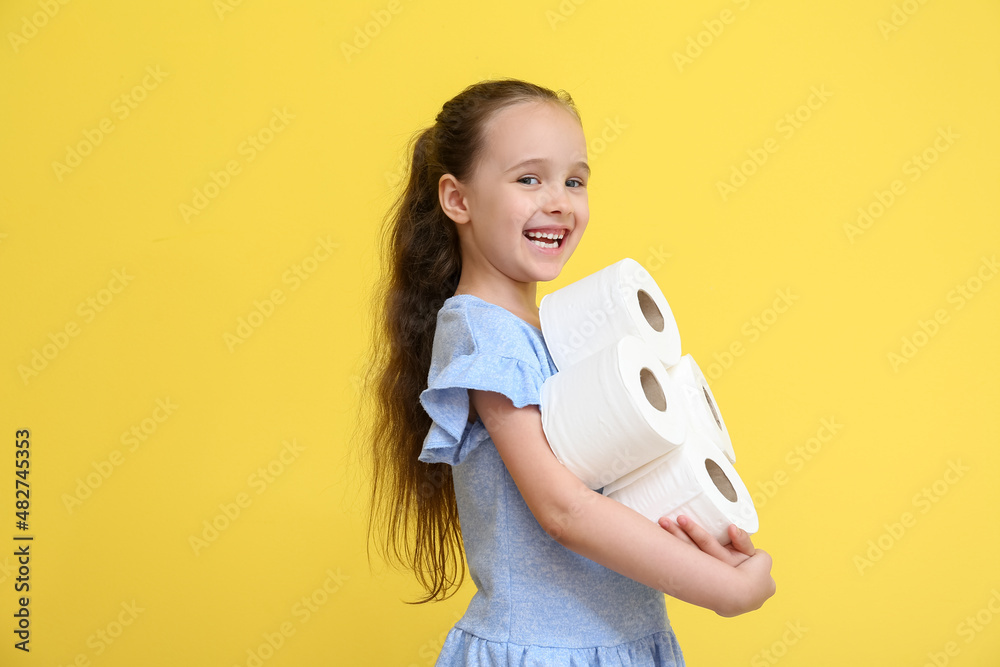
(474, 349)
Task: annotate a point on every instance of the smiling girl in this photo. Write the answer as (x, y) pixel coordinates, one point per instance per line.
(496, 201)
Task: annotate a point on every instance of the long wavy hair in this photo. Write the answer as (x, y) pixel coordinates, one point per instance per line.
(413, 517)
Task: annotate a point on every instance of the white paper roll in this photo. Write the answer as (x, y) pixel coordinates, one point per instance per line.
(596, 311)
(694, 479)
(611, 412)
(702, 411)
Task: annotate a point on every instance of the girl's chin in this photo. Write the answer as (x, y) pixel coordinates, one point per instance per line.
(547, 273)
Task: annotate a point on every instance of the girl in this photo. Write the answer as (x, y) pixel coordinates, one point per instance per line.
(496, 200)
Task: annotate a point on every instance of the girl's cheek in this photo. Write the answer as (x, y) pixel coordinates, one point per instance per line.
(529, 207)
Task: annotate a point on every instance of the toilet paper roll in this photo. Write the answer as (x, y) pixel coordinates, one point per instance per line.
(694, 479)
(699, 404)
(596, 311)
(611, 412)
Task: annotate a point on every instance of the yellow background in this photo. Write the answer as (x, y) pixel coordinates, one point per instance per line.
(663, 133)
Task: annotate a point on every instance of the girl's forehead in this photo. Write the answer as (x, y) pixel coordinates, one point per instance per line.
(533, 127)
(525, 116)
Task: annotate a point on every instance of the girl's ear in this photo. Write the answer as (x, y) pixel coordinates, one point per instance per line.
(452, 197)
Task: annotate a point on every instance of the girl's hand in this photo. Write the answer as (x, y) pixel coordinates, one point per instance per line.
(690, 532)
(754, 564)
(756, 572)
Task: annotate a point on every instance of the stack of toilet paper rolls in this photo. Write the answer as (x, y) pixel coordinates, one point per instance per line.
(627, 413)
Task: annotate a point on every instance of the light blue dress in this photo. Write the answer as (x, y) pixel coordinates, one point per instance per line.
(537, 603)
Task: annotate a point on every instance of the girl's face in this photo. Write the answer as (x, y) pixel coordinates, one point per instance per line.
(524, 210)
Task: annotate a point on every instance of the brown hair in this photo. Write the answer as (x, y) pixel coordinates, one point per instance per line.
(413, 511)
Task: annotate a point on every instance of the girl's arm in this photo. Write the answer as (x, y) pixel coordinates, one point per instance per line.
(608, 532)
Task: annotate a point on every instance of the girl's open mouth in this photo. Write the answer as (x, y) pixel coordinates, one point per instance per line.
(547, 240)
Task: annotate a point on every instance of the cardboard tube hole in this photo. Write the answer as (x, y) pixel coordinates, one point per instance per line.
(722, 482)
(650, 310)
(711, 406)
(652, 389)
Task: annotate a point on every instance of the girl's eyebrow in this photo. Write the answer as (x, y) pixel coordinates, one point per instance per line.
(540, 160)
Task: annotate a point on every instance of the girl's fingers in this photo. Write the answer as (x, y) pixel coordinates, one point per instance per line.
(675, 530)
(691, 533)
(702, 539)
(741, 540)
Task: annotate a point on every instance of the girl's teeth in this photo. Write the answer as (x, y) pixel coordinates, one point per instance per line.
(537, 239)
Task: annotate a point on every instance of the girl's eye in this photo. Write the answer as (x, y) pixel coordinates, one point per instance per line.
(579, 182)
(524, 178)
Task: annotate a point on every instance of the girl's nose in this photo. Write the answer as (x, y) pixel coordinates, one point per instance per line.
(557, 200)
